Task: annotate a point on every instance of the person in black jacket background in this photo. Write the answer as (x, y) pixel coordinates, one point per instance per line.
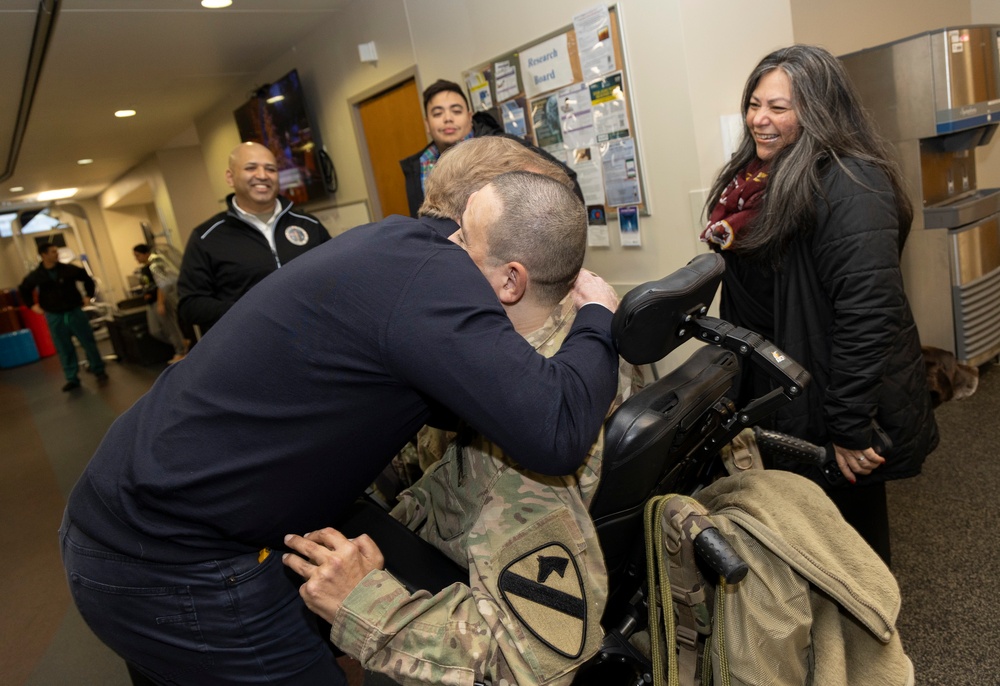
(448, 120)
(60, 301)
(258, 233)
(811, 216)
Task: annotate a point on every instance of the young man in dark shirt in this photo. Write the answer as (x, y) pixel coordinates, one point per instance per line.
(60, 301)
(448, 120)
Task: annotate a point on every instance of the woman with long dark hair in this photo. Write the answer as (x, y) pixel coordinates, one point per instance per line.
(810, 215)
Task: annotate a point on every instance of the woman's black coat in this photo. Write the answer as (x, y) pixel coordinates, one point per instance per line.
(841, 312)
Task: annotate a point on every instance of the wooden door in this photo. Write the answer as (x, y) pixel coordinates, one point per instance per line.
(394, 129)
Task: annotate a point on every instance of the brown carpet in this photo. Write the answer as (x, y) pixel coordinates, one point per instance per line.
(33, 593)
(945, 549)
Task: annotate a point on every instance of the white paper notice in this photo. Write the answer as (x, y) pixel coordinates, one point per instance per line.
(506, 80)
(621, 178)
(479, 89)
(513, 118)
(545, 120)
(597, 227)
(587, 165)
(597, 237)
(607, 97)
(593, 41)
(546, 66)
(576, 118)
(628, 227)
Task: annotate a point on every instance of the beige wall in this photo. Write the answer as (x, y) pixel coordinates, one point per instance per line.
(12, 269)
(850, 25)
(170, 191)
(186, 183)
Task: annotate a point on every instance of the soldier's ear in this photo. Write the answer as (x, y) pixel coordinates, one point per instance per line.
(513, 283)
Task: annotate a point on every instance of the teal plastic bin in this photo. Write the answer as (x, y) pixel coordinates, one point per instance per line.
(17, 348)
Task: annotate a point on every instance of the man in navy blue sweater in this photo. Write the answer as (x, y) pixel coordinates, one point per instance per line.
(291, 405)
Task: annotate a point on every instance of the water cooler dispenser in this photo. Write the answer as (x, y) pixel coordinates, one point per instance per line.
(936, 97)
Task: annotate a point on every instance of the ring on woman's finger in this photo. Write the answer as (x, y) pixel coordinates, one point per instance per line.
(862, 459)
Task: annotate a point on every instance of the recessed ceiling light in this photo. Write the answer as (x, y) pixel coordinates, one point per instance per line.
(216, 4)
(60, 194)
(85, 160)
(125, 113)
(17, 189)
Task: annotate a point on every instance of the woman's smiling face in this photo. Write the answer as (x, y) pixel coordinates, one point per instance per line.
(771, 116)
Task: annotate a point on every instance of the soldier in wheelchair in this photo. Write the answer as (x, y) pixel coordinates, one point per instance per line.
(520, 596)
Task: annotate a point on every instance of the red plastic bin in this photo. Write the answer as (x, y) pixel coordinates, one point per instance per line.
(39, 328)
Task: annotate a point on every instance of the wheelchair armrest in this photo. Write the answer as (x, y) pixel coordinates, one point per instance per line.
(413, 561)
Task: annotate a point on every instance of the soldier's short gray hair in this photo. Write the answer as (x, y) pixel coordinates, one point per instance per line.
(543, 225)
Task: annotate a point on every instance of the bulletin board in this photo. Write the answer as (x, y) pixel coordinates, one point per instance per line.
(569, 93)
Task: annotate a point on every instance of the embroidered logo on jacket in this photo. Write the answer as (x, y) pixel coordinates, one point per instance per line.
(545, 590)
(296, 235)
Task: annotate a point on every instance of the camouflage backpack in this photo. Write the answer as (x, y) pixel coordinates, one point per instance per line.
(817, 605)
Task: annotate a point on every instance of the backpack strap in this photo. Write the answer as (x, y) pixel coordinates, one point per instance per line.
(673, 522)
(659, 600)
(683, 519)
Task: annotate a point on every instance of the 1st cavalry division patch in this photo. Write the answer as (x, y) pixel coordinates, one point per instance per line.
(545, 590)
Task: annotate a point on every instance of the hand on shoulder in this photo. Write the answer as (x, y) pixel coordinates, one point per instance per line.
(590, 288)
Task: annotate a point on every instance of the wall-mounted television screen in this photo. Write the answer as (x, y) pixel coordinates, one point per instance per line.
(6, 224)
(37, 221)
(276, 117)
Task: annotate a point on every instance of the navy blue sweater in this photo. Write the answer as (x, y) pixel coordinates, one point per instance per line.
(305, 389)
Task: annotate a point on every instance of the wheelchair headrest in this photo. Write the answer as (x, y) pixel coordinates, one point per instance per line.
(649, 323)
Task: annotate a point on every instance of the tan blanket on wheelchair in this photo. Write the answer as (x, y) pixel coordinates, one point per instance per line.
(818, 606)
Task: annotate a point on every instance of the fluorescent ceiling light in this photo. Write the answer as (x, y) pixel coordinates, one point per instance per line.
(17, 189)
(60, 194)
(85, 160)
(216, 4)
(274, 98)
(125, 113)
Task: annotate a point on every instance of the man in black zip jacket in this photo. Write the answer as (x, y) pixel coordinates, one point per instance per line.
(60, 301)
(258, 233)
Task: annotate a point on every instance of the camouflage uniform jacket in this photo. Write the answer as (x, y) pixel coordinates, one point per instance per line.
(537, 582)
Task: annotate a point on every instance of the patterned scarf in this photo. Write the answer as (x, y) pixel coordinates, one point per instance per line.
(427, 161)
(429, 158)
(737, 206)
